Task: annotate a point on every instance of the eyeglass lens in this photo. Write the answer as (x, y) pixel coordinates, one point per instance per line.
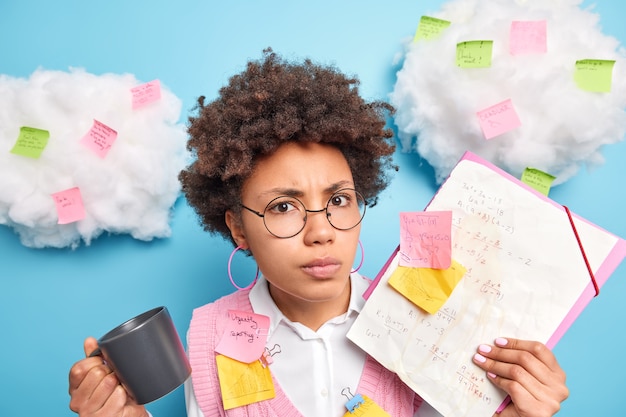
(286, 216)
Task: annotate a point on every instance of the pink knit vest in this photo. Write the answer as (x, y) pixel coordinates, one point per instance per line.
(207, 326)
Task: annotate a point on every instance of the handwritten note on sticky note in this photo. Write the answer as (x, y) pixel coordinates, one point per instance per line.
(427, 288)
(244, 336)
(69, 205)
(474, 54)
(425, 239)
(498, 119)
(31, 142)
(528, 37)
(594, 75)
(430, 28)
(539, 180)
(366, 408)
(243, 383)
(145, 94)
(99, 138)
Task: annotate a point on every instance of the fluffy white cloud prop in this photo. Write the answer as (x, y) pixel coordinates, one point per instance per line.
(130, 190)
(563, 127)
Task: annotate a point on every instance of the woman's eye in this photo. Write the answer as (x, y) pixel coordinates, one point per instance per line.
(281, 207)
(339, 200)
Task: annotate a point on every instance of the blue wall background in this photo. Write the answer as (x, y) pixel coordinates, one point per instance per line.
(51, 299)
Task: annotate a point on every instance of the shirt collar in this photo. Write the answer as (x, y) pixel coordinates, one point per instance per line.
(262, 302)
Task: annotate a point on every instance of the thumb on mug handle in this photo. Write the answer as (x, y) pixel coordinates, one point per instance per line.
(91, 347)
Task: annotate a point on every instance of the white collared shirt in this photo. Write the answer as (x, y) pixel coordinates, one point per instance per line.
(313, 368)
(326, 359)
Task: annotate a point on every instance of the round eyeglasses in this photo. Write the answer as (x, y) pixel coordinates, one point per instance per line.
(285, 216)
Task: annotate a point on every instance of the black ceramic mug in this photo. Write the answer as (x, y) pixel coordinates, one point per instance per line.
(146, 355)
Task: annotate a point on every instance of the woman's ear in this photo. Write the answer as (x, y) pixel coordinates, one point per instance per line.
(233, 221)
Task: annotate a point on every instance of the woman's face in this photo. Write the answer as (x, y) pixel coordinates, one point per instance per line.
(314, 265)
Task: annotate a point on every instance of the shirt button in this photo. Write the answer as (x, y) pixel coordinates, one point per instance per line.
(324, 392)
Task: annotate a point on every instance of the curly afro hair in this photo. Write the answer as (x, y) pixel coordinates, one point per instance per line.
(272, 102)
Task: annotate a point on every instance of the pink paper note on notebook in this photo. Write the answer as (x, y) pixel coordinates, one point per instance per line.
(425, 239)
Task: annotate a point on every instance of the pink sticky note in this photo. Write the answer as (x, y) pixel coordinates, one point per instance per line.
(498, 119)
(528, 37)
(425, 239)
(244, 337)
(69, 205)
(99, 138)
(146, 93)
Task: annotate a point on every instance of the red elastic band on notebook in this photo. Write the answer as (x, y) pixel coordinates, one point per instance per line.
(582, 250)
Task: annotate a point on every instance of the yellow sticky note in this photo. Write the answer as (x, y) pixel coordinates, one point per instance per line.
(474, 54)
(594, 75)
(30, 142)
(427, 288)
(243, 383)
(429, 28)
(367, 408)
(539, 180)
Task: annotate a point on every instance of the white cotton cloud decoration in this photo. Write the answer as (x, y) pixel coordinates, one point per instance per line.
(563, 127)
(130, 190)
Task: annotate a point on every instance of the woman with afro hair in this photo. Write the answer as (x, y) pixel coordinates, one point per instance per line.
(286, 160)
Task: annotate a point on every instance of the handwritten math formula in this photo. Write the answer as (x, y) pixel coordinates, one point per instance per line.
(489, 208)
(471, 381)
(484, 224)
(434, 327)
(429, 329)
(478, 245)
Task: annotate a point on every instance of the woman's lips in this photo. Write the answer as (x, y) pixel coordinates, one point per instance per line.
(322, 268)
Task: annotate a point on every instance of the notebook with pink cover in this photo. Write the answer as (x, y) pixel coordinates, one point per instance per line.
(531, 266)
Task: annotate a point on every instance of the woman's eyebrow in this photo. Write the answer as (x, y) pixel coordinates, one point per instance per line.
(278, 191)
(338, 186)
(294, 192)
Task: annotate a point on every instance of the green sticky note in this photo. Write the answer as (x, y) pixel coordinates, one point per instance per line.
(429, 28)
(474, 54)
(594, 75)
(30, 142)
(538, 180)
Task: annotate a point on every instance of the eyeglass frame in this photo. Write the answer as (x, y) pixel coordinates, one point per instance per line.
(307, 211)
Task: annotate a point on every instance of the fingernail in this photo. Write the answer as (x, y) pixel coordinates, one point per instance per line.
(491, 374)
(500, 341)
(484, 348)
(480, 358)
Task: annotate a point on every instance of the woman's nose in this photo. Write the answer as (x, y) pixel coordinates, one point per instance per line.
(318, 228)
